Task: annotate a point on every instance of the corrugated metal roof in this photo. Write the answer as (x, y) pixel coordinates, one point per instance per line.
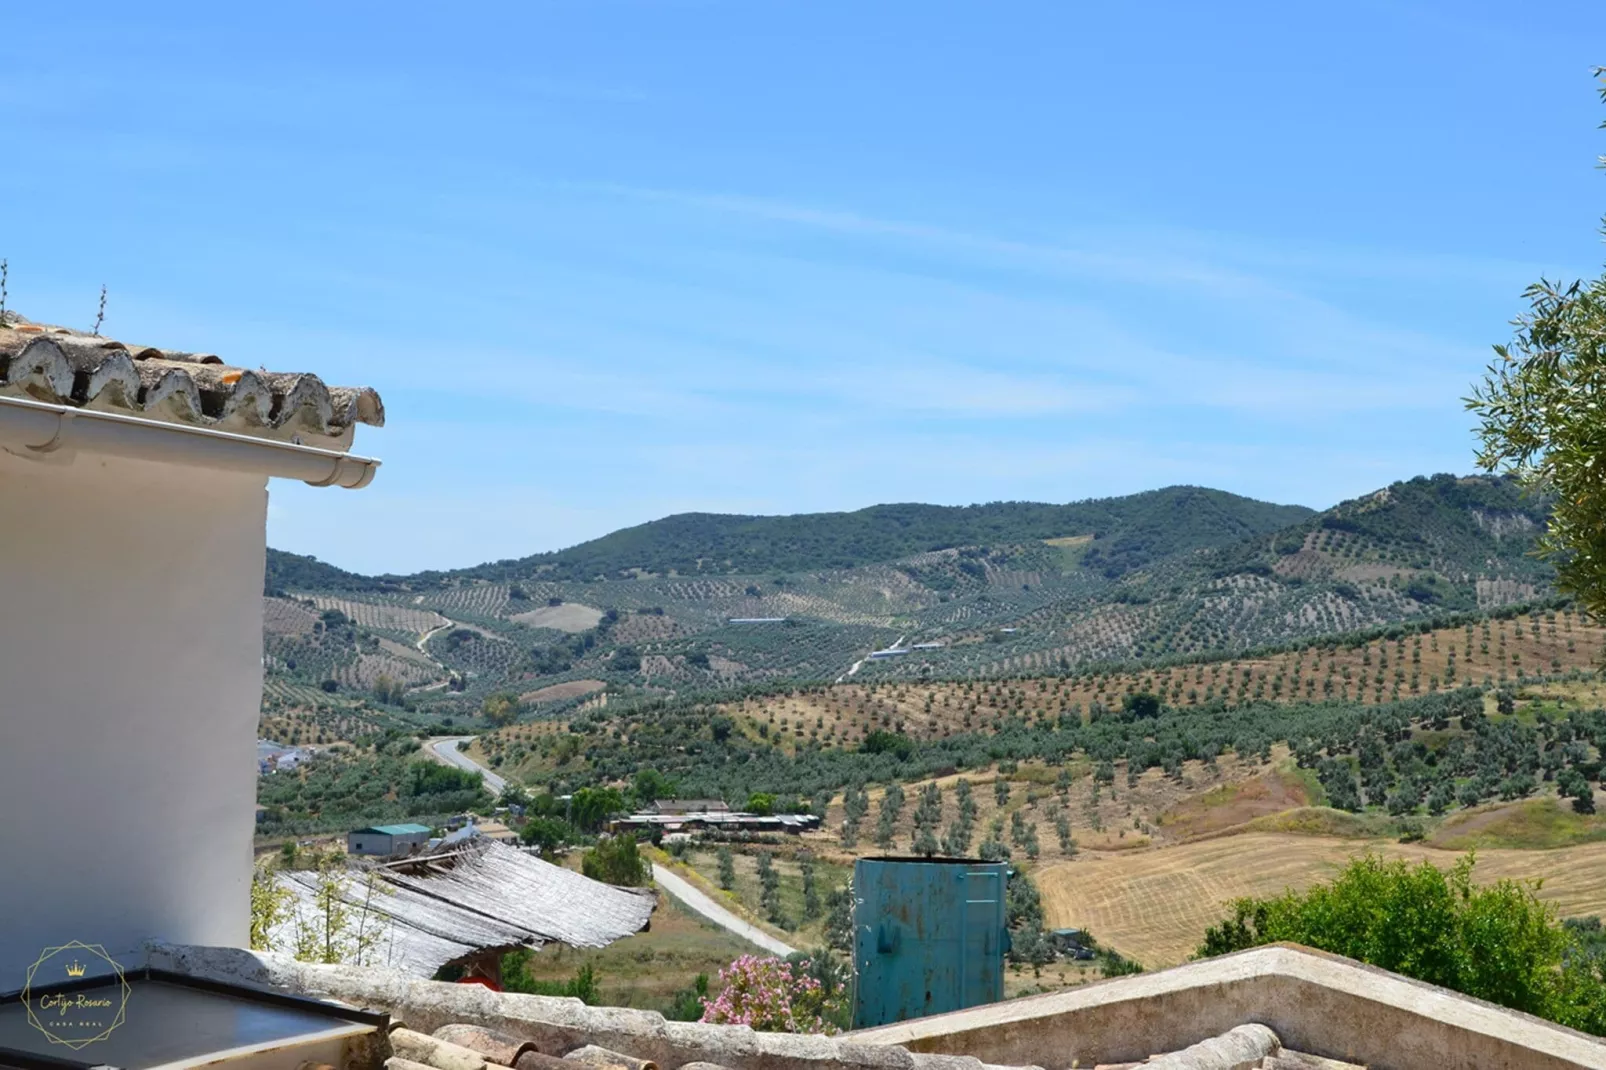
(486, 896)
(552, 903)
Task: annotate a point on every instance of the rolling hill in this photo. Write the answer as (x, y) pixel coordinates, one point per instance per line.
(1323, 683)
(999, 590)
(1126, 533)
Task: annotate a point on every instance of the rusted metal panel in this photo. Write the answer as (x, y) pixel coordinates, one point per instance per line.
(929, 937)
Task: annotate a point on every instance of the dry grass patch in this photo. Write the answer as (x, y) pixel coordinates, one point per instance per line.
(567, 689)
(1155, 906)
(1325, 821)
(647, 969)
(568, 617)
(1528, 825)
(1234, 803)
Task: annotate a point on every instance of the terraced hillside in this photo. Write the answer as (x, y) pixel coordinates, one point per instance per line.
(1007, 590)
(1494, 651)
(819, 736)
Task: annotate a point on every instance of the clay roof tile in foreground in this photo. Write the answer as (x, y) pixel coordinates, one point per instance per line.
(67, 367)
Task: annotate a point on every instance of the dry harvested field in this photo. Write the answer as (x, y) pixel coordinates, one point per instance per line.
(1494, 651)
(390, 646)
(570, 689)
(1155, 905)
(569, 617)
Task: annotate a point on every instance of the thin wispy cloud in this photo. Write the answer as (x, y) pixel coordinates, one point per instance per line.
(618, 260)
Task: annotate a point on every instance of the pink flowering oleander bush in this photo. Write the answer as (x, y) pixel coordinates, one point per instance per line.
(771, 995)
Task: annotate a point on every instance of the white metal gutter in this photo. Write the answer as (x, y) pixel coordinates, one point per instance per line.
(41, 430)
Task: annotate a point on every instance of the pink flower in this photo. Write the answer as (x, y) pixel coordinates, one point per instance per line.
(763, 993)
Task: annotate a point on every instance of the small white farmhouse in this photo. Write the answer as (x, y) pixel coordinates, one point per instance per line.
(133, 501)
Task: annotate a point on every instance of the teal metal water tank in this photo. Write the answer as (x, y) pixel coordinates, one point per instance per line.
(928, 936)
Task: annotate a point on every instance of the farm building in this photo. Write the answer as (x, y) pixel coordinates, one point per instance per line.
(724, 820)
(387, 841)
(496, 830)
(136, 479)
(272, 758)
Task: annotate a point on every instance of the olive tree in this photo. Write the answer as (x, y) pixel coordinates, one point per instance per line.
(1542, 407)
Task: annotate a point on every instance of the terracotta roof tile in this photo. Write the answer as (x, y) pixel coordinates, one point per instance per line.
(67, 367)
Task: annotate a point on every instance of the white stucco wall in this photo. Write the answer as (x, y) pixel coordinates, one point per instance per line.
(130, 680)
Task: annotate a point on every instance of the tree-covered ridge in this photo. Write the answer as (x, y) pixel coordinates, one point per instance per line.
(1457, 526)
(1128, 532)
(302, 572)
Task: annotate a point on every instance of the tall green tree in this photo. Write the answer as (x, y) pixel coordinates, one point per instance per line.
(590, 808)
(1542, 407)
(547, 834)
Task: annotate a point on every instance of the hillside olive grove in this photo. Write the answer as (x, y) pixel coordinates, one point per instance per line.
(1430, 754)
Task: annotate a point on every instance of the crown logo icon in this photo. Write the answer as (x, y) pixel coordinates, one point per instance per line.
(75, 968)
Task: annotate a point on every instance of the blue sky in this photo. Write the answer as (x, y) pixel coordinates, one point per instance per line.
(608, 261)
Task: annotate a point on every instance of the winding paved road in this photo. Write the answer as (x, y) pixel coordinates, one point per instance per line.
(445, 749)
(688, 893)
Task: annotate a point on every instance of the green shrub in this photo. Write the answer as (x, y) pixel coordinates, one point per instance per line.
(547, 834)
(686, 1005)
(516, 978)
(616, 860)
(1497, 943)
